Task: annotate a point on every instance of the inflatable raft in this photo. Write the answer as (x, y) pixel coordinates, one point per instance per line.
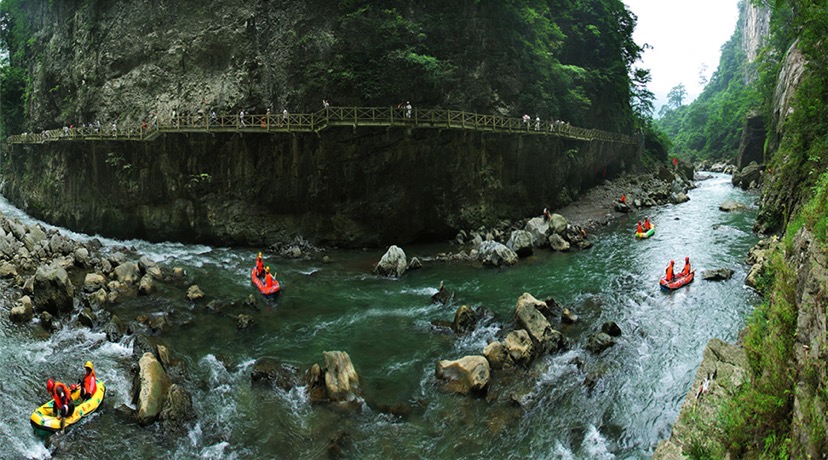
(43, 418)
(647, 234)
(260, 285)
(677, 282)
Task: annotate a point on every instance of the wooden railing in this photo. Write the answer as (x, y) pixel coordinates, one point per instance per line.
(317, 121)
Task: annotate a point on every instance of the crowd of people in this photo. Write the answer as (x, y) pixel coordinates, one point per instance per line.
(553, 125)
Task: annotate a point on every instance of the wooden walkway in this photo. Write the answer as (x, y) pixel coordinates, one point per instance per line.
(318, 121)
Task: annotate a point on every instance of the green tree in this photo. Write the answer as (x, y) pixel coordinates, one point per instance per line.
(642, 97)
(676, 96)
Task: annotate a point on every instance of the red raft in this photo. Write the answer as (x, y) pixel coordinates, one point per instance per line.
(677, 282)
(260, 285)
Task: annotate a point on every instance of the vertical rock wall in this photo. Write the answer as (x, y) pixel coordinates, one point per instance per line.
(347, 187)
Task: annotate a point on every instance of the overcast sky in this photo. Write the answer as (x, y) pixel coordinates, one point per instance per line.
(684, 34)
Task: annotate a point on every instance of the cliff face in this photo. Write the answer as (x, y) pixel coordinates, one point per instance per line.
(108, 61)
(780, 197)
(124, 60)
(346, 187)
(755, 31)
(809, 428)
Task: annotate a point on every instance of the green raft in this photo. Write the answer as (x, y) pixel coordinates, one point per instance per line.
(647, 234)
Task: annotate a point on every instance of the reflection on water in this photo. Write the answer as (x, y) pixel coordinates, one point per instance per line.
(385, 326)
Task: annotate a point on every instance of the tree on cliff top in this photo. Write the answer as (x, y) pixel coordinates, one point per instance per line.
(14, 37)
(561, 59)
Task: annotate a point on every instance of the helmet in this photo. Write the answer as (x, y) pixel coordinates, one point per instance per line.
(88, 365)
(260, 254)
(267, 269)
(50, 384)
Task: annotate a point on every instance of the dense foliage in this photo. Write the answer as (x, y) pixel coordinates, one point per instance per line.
(563, 59)
(14, 36)
(711, 126)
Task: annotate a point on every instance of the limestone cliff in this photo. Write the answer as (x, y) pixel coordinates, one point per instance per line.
(346, 187)
(124, 62)
(755, 31)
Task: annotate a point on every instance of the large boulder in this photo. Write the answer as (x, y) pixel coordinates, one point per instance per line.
(680, 197)
(61, 245)
(494, 254)
(519, 346)
(557, 223)
(538, 227)
(150, 393)
(146, 286)
(749, 176)
(274, 371)
(529, 317)
(393, 262)
(22, 312)
(341, 379)
(521, 242)
(128, 273)
(52, 290)
(464, 320)
(557, 243)
(93, 282)
(177, 413)
(718, 274)
(599, 342)
(730, 206)
(498, 356)
(469, 374)
(194, 293)
(82, 258)
(8, 270)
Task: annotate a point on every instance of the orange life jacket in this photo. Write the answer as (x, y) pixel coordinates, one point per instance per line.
(670, 273)
(268, 280)
(61, 394)
(90, 383)
(686, 269)
(259, 266)
(639, 229)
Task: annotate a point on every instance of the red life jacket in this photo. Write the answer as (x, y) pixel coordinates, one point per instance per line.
(259, 266)
(61, 394)
(90, 383)
(639, 228)
(670, 273)
(686, 269)
(268, 280)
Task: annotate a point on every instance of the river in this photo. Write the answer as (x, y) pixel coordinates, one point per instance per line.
(385, 326)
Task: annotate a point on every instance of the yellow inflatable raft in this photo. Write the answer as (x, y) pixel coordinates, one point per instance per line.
(43, 418)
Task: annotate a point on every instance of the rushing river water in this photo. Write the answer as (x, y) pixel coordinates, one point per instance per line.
(385, 326)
